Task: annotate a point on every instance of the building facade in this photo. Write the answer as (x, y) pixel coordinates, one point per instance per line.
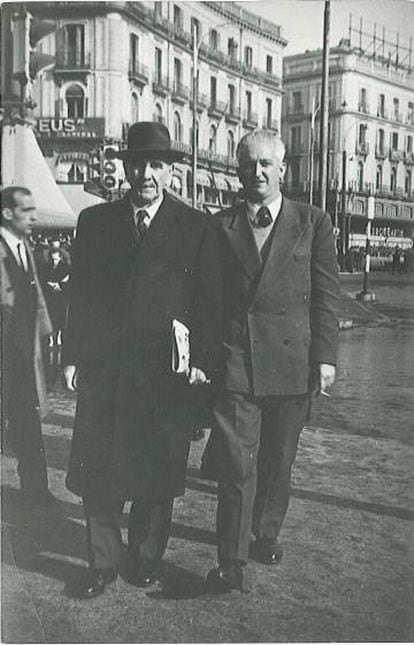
(371, 133)
(121, 62)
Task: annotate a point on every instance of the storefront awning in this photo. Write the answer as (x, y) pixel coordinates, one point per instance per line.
(24, 165)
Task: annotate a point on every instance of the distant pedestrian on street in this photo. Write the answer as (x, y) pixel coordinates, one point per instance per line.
(280, 339)
(25, 324)
(139, 264)
(396, 260)
(55, 280)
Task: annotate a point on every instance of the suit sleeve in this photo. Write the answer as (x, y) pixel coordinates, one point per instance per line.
(206, 332)
(78, 292)
(324, 294)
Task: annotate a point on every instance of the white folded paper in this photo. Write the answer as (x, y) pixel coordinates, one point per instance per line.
(180, 345)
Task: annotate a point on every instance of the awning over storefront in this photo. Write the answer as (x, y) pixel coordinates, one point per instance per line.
(24, 165)
(78, 198)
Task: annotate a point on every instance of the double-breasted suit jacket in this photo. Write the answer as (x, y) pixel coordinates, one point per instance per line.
(134, 420)
(24, 323)
(280, 316)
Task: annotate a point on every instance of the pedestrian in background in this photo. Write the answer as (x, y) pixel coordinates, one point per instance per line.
(55, 280)
(280, 338)
(138, 264)
(25, 324)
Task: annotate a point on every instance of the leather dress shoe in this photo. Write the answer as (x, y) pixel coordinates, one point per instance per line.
(94, 582)
(225, 578)
(143, 573)
(268, 551)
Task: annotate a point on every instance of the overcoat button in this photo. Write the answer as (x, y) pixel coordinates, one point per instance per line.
(286, 342)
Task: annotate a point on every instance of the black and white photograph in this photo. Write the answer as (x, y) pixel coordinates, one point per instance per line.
(207, 321)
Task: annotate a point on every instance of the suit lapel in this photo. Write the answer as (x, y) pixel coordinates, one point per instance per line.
(289, 230)
(241, 238)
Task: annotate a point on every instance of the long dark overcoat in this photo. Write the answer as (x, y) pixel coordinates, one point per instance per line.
(134, 416)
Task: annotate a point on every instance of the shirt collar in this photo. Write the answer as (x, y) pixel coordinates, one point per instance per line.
(11, 239)
(274, 208)
(152, 210)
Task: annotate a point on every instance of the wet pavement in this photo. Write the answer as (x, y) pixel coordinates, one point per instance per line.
(348, 537)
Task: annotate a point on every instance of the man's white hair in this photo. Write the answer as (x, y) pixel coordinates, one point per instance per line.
(262, 135)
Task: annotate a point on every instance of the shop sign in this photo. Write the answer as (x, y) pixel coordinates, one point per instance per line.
(50, 127)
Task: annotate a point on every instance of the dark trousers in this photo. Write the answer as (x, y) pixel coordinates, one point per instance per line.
(260, 437)
(24, 436)
(148, 531)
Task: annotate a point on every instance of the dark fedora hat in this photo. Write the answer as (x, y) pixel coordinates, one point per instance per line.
(150, 138)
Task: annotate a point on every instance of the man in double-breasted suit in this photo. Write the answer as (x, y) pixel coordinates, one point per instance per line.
(25, 325)
(280, 336)
(138, 264)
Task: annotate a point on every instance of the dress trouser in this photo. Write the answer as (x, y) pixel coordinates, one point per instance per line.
(24, 433)
(260, 437)
(148, 531)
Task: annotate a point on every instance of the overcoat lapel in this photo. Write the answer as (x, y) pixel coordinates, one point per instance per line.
(241, 238)
(289, 230)
(166, 226)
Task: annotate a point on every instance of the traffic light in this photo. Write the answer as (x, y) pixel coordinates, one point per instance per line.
(112, 168)
(94, 184)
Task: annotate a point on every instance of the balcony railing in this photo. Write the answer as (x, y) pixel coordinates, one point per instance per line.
(364, 108)
(396, 155)
(233, 115)
(160, 85)
(68, 60)
(138, 72)
(250, 119)
(362, 148)
(409, 158)
(217, 159)
(381, 152)
(182, 147)
(216, 108)
(179, 92)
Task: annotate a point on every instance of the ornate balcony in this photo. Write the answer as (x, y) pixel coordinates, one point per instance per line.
(362, 148)
(179, 92)
(396, 155)
(138, 73)
(216, 108)
(160, 86)
(381, 152)
(250, 120)
(409, 158)
(233, 115)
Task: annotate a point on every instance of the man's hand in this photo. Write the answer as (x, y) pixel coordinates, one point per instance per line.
(197, 377)
(326, 378)
(70, 374)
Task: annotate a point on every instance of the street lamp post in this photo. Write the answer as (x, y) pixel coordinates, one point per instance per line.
(195, 98)
(314, 112)
(365, 295)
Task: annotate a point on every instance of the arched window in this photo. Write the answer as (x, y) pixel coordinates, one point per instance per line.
(158, 113)
(378, 183)
(393, 184)
(230, 144)
(360, 176)
(134, 107)
(177, 127)
(408, 181)
(212, 139)
(75, 102)
(295, 174)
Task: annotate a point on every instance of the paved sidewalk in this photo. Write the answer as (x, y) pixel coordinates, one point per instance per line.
(345, 575)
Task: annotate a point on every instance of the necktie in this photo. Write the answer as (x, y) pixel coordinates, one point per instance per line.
(141, 223)
(20, 254)
(263, 218)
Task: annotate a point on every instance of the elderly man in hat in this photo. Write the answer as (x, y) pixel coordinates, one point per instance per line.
(140, 264)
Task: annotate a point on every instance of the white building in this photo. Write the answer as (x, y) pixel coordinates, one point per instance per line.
(371, 123)
(121, 62)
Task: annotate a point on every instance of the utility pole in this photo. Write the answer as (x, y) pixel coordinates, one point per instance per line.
(195, 98)
(344, 233)
(323, 138)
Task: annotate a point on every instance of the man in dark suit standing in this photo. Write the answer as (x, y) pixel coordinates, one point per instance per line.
(280, 337)
(139, 264)
(25, 325)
